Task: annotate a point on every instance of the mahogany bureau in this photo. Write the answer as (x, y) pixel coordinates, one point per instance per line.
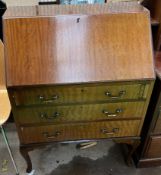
(78, 72)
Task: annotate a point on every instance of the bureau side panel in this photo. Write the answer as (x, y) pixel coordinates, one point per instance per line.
(149, 92)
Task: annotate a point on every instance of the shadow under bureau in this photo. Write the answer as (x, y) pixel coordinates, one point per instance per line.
(78, 72)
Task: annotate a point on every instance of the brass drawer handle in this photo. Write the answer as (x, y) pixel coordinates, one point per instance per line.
(53, 136)
(44, 115)
(48, 100)
(107, 132)
(120, 94)
(115, 114)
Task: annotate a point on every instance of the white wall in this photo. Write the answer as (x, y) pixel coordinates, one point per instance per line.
(35, 2)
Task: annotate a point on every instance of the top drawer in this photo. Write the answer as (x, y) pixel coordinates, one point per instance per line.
(64, 94)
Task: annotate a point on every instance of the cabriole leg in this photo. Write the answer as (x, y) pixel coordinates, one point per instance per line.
(25, 153)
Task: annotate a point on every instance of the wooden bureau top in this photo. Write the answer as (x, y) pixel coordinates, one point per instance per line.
(93, 43)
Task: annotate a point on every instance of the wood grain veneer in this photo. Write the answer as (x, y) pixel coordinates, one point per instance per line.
(79, 131)
(43, 54)
(83, 93)
(79, 113)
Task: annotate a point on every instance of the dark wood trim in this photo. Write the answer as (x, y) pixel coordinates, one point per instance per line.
(25, 154)
(89, 84)
(49, 2)
(145, 163)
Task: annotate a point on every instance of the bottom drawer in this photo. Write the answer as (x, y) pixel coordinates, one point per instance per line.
(154, 147)
(66, 132)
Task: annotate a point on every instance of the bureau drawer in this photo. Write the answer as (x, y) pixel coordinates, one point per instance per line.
(78, 93)
(74, 113)
(95, 130)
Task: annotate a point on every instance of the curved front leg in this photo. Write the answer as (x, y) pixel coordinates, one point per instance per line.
(25, 154)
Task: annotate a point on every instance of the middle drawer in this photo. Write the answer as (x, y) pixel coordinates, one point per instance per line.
(74, 113)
